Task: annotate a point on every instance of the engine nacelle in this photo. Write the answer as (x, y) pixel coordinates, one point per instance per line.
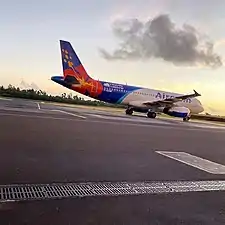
(176, 111)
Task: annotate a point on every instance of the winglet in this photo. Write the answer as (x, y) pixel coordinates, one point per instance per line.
(196, 93)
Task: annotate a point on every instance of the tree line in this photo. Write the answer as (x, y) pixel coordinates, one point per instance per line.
(16, 92)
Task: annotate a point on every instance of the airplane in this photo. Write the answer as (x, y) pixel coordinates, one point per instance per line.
(136, 99)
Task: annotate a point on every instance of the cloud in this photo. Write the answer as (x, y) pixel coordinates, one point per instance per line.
(160, 38)
(219, 43)
(25, 85)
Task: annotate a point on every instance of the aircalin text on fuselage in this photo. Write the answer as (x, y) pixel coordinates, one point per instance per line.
(138, 99)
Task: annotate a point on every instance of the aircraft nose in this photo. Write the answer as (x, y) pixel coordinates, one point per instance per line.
(201, 109)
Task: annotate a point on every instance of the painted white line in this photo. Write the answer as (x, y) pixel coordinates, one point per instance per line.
(38, 105)
(98, 116)
(38, 117)
(22, 110)
(194, 161)
(208, 126)
(68, 113)
(5, 99)
(129, 119)
(114, 123)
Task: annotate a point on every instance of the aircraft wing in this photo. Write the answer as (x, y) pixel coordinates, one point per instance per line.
(171, 101)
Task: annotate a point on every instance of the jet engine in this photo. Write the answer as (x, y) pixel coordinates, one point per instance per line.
(176, 111)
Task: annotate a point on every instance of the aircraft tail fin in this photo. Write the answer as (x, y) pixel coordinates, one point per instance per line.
(73, 70)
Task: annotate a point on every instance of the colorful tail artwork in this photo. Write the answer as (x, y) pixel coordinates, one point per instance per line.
(76, 78)
(75, 74)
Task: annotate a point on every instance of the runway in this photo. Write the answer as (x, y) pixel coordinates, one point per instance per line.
(45, 144)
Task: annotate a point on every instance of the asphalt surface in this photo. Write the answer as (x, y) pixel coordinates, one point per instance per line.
(46, 143)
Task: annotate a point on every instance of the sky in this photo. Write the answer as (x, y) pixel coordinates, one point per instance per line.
(118, 41)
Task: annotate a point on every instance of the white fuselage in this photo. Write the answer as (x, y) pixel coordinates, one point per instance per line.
(137, 97)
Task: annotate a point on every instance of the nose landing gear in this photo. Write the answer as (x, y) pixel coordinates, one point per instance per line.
(129, 111)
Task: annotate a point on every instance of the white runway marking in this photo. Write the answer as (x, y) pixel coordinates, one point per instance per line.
(68, 113)
(5, 99)
(145, 120)
(111, 122)
(205, 125)
(38, 105)
(129, 119)
(96, 115)
(194, 161)
(38, 117)
(22, 192)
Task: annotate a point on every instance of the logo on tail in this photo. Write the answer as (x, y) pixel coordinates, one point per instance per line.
(75, 74)
(73, 70)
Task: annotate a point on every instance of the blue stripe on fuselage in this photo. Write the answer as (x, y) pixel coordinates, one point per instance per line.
(115, 93)
(112, 92)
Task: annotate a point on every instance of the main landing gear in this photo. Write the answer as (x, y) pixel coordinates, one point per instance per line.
(129, 111)
(186, 119)
(151, 115)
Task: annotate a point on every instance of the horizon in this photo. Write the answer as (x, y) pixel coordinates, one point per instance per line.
(26, 86)
(31, 52)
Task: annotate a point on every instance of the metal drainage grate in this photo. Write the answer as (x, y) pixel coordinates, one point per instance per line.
(54, 191)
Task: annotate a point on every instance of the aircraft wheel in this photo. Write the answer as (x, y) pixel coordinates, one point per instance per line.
(151, 115)
(129, 111)
(185, 119)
